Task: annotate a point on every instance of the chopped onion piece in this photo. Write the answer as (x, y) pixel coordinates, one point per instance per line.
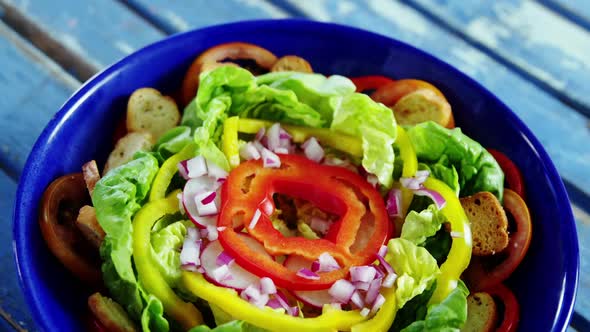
(320, 225)
(255, 219)
(389, 280)
(294, 311)
(365, 311)
(385, 265)
(308, 274)
(357, 300)
(336, 305)
(267, 286)
(393, 203)
(266, 206)
(282, 298)
(270, 159)
(373, 180)
(196, 167)
(191, 252)
(378, 303)
(212, 233)
(215, 171)
(254, 296)
(221, 274)
(283, 134)
(249, 151)
(373, 291)
(224, 259)
(274, 303)
(209, 208)
(182, 169)
(313, 150)
(382, 251)
(326, 263)
(364, 286)
(433, 195)
(260, 134)
(282, 150)
(221, 228)
(422, 174)
(362, 273)
(273, 137)
(341, 291)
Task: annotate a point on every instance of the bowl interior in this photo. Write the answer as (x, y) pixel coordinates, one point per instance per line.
(83, 128)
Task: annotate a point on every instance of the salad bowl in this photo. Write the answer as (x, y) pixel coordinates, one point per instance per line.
(544, 284)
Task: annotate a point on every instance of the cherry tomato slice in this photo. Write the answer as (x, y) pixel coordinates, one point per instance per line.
(370, 82)
(59, 208)
(215, 55)
(511, 307)
(513, 175)
(486, 272)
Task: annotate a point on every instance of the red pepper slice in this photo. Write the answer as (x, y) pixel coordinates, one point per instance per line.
(511, 307)
(513, 174)
(369, 83)
(354, 239)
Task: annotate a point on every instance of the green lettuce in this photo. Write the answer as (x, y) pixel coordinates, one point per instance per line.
(449, 315)
(173, 141)
(232, 326)
(419, 226)
(478, 170)
(116, 197)
(360, 116)
(152, 317)
(166, 245)
(444, 171)
(415, 267)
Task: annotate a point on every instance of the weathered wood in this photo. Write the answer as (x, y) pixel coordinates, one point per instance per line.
(577, 11)
(13, 310)
(82, 35)
(529, 38)
(34, 88)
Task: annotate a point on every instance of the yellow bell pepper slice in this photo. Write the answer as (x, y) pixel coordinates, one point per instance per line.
(186, 314)
(343, 142)
(460, 253)
(167, 171)
(331, 319)
(383, 318)
(408, 155)
(229, 141)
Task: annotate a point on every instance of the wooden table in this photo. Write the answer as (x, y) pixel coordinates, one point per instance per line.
(534, 55)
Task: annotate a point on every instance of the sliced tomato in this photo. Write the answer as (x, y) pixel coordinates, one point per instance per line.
(486, 272)
(511, 317)
(513, 175)
(370, 83)
(59, 208)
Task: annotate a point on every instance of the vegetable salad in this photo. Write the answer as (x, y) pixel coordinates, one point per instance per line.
(285, 200)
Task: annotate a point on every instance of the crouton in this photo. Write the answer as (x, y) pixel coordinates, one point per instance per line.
(110, 314)
(149, 111)
(482, 313)
(91, 175)
(126, 147)
(292, 63)
(423, 105)
(489, 224)
(89, 226)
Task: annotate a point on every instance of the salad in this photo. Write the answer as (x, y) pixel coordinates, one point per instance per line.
(284, 200)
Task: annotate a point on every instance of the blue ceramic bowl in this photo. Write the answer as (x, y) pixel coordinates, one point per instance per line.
(82, 131)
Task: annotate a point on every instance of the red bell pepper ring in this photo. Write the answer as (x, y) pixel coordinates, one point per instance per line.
(511, 171)
(370, 82)
(353, 239)
(511, 307)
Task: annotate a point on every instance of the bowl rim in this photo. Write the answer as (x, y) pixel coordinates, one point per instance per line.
(572, 264)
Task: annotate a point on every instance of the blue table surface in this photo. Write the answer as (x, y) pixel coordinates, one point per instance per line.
(534, 55)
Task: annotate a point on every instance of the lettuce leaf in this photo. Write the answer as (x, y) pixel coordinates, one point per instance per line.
(232, 326)
(415, 267)
(152, 317)
(173, 141)
(116, 197)
(360, 116)
(166, 245)
(449, 315)
(478, 170)
(444, 171)
(419, 226)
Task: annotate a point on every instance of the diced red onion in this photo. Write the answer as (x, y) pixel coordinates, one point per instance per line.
(393, 203)
(221, 274)
(255, 297)
(249, 151)
(274, 303)
(422, 174)
(325, 263)
(191, 251)
(373, 180)
(362, 273)
(255, 219)
(270, 159)
(260, 134)
(373, 291)
(389, 280)
(378, 303)
(308, 274)
(196, 167)
(212, 233)
(337, 306)
(267, 286)
(385, 265)
(320, 225)
(411, 183)
(282, 298)
(365, 312)
(281, 150)
(380, 271)
(273, 137)
(182, 169)
(206, 209)
(364, 286)
(313, 150)
(283, 134)
(215, 171)
(294, 311)
(224, 259)
(382, 251)
(341, 291)
(437, 198)
(266, 206)
(357, 300)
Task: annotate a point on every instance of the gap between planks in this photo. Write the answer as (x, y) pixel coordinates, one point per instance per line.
(568, 13)
(62, 55)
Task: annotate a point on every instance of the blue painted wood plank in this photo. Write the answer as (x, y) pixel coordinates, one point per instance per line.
(176, 16)
(34, 89)
(577, 11)
(563, 131)
(100, 32)
(11, 299)
(533, 40)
